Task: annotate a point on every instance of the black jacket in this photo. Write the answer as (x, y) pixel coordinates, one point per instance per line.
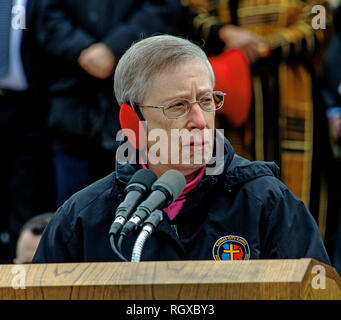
(246, 207)
(84, 106)
(34, 58)
(332, 68)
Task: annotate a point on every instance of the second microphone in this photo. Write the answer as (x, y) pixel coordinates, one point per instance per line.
(165, 190)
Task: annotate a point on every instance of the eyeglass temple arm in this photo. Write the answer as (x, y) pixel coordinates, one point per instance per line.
(155, 107)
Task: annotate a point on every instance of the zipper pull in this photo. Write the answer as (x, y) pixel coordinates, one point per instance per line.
(175, 228)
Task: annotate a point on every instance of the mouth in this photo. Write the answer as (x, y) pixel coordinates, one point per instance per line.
(198, 146)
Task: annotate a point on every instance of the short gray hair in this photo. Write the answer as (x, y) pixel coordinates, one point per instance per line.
(136, 69)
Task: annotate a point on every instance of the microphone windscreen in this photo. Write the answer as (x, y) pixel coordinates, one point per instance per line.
(173, 180)
(145, 177)
(132, 127)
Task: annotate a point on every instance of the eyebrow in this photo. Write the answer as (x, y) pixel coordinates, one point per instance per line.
(200, 94)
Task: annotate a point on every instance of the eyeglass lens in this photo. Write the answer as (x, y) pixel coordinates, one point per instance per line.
(180, 107)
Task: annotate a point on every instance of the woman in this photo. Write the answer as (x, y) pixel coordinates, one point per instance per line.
(240, 213)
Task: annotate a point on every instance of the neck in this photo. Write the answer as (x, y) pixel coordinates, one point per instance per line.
(189, 174)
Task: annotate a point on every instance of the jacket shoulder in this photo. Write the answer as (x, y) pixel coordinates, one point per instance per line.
(241, 171)
(257, 179)
(92, 195)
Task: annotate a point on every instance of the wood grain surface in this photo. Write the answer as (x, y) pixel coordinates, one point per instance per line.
(172, 280)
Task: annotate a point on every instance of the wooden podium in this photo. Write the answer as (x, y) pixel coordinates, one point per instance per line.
(172, 280)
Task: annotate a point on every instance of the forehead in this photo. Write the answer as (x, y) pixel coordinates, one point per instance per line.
(181, 80)
(28, 240)
(195, 67)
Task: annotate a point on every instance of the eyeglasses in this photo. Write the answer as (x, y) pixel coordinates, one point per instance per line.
(178, 108)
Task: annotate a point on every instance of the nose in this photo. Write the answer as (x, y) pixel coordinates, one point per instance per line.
(196, 117)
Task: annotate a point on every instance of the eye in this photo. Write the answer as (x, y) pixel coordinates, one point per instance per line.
(206, 100)
(176, 109)
(177, 104)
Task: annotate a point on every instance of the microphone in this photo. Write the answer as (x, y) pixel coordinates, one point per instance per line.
(136, 189)
(165, 190)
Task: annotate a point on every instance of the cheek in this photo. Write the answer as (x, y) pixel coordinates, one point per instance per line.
(210, 120)
(159, 128)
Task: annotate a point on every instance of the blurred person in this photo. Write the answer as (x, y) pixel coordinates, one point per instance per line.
(240, 212)
(87, 39)
(332, 99)
(26, 171)
(332, 88)
(30, 236)
(283, 42)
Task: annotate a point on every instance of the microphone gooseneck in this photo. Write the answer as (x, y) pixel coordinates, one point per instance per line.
(148, 228)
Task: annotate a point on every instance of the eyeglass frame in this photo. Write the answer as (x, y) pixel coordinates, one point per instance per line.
(190, 103)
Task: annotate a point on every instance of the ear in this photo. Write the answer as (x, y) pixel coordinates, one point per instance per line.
(132, 127)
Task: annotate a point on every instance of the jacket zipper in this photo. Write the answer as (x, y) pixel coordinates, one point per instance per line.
(175, 228)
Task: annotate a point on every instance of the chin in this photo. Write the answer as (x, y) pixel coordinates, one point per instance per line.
(187, 169)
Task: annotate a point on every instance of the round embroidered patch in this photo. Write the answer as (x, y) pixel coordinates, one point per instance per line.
(231, 248)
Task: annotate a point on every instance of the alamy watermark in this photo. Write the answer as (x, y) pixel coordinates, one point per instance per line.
(318, 281)
(19, 279)
(18, 17)
(319, 20)
(174, 147)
